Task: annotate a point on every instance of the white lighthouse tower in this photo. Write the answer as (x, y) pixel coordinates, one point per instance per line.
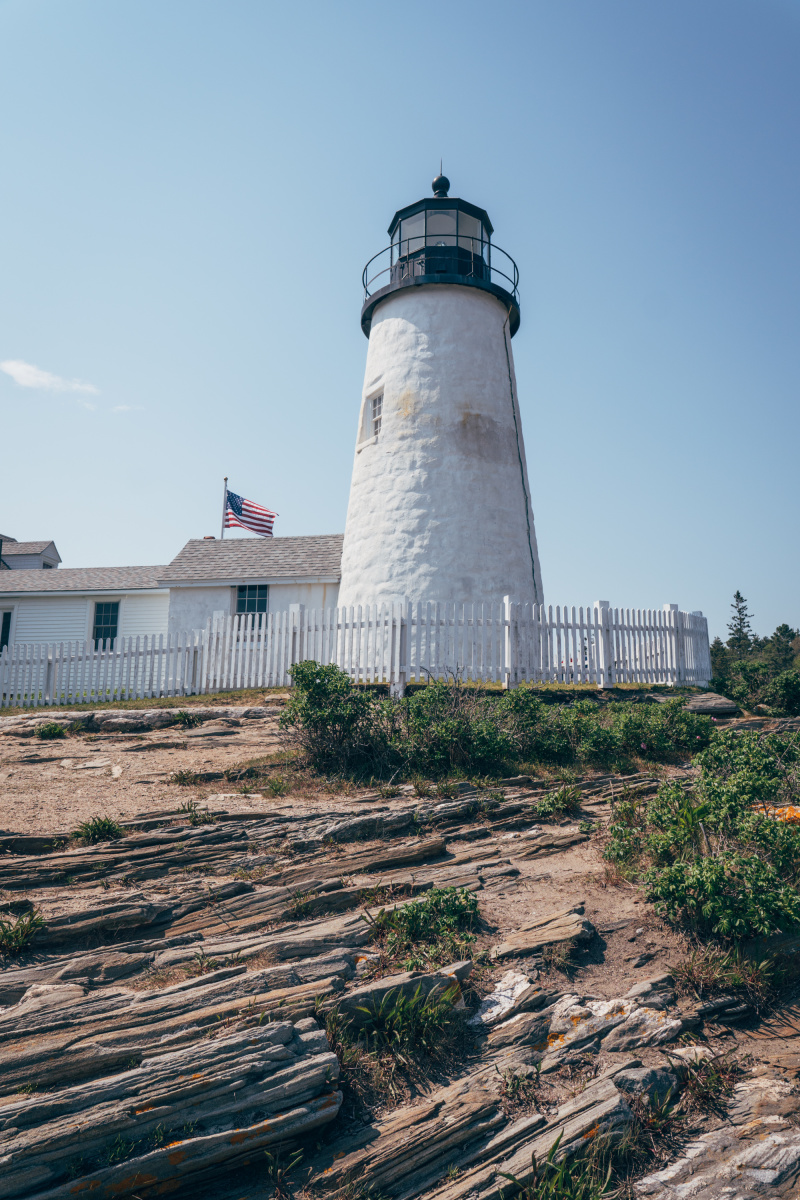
(440, 506)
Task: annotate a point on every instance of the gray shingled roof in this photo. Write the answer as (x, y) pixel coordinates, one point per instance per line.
(11, 548)
(81, 579)
(318, 556)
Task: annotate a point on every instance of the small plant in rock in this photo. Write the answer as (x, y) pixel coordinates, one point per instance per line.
(707, 972)
(387, 790)
(519, 1093)
(50, 730)
(99, 829)
(447, 790)
(558, 957)
(277, 786)
(184, 778)
(564, 1180)
(187, 720)
(422, 788)
(557, 804)
(196, 815)
(435, 929)
(301, 904)
(16, 936)
(278, 1171)
(709, 1084)
(410, 1028)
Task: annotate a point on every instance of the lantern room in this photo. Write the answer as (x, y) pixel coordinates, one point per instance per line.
(441, 240)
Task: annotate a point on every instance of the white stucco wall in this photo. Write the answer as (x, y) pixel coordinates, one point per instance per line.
(312, 595)
(439, 503)
(191, 607)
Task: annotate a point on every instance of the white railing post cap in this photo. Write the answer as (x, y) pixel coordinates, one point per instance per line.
(670, 608)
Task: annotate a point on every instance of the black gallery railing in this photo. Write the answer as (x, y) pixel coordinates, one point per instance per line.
(471, 258)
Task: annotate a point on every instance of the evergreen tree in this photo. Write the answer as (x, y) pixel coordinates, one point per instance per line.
(780, 648)
(720, 655)
(741, 638)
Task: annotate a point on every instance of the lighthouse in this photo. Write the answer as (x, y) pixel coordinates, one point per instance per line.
(440, 506)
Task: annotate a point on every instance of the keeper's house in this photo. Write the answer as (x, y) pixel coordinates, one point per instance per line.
(39, 603)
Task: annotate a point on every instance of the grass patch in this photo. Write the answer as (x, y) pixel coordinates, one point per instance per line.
(557, 804)
(196, 815)
(16, 936)
(394, 1041)
(49, 731)
(187, 720)
(99, 829)
(429, 932)
(558, 957)
(709, 1084)
(709, 972)
(553, 1180)
(185, 778)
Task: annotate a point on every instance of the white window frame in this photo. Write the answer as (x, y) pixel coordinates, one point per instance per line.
(368, 435)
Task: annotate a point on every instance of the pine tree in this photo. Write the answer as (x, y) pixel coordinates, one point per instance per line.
(741, 638)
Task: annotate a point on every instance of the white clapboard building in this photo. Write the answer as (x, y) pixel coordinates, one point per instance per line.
(207, 578)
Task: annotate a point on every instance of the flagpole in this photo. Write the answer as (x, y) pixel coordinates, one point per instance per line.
(224, 506)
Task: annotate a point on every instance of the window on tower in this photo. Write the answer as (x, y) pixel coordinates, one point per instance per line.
(377, 413)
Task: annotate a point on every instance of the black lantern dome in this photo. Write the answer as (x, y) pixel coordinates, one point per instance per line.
(441, 240)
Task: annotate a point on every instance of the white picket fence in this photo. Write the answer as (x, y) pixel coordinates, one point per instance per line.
(396, 644)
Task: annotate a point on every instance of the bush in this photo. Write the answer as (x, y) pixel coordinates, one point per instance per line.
(430, 931)
(16, 936)
(714, 857)
(50, 730)
(99, 829)
(451, 729)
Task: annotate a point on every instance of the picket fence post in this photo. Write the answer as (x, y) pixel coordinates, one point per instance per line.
(605, 669)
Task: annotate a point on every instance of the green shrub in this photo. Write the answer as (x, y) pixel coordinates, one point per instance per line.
(16, 936)
(187, 720)
(431, 931)
(99, 829)
(713, 857)
(50, 730)
(452, 729)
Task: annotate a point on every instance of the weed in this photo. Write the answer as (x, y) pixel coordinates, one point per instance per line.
(421, 788)
(278, 1172)
(709, 1084)
(187, 720)
(557, 804)
(27, 1089)
(277, 786)
(300, 905)
(202, 964)
(558, 957)
(184, 778)
(447, 790)
(519, 1093)
(585, 826)
(709, 972)
(99, 829)
(119, 1150)
(50, 730)
(387, 790)
(196, 815)
(16, 936)
(565, 1180)
(409, 1028)
(435, 929)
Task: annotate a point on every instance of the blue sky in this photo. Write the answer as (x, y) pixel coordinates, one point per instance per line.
(190, 190)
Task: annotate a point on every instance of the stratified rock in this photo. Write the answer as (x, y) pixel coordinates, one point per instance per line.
(567, 926)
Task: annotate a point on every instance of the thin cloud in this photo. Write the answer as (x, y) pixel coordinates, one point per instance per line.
(28, 376)
(127, 408)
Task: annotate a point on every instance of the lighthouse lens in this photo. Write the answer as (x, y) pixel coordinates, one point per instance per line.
(441, 229)
(413, 234)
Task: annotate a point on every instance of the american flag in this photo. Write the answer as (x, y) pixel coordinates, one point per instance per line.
(247, 515)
